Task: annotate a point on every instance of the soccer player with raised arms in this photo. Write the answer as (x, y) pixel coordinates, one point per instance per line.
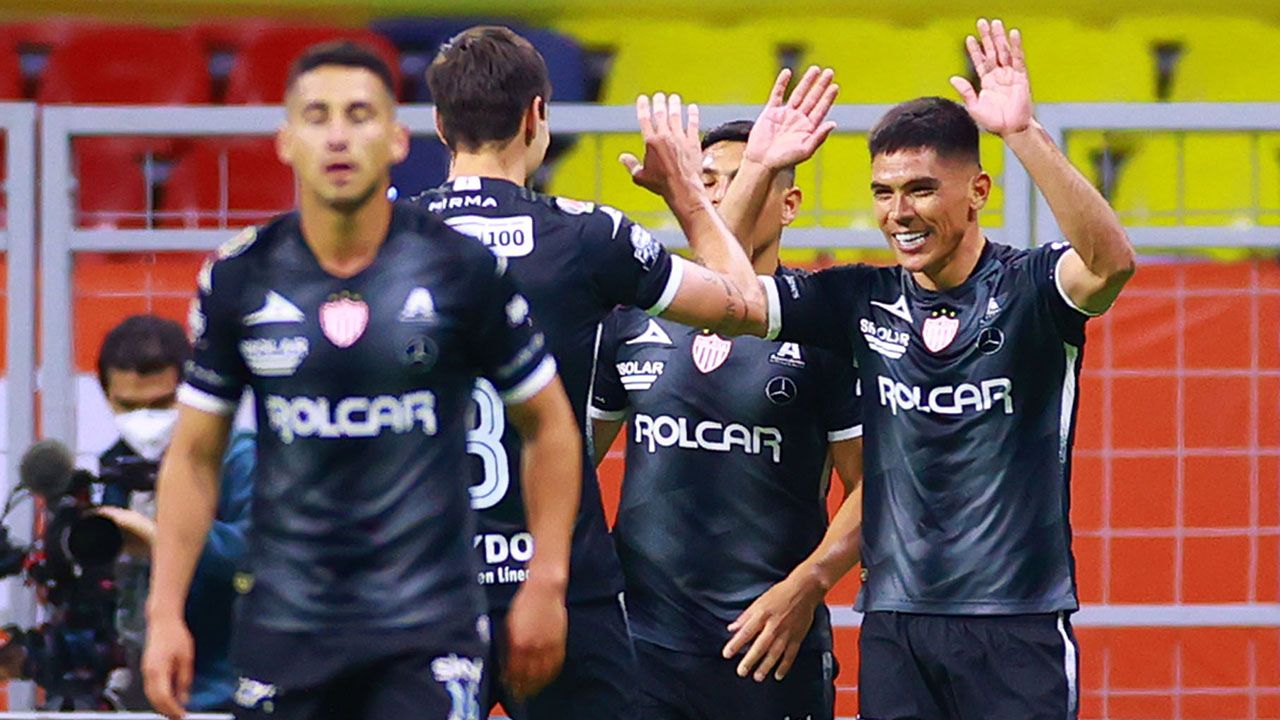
(575, 261)
(720, 529)
(968, 354)
(361, 327)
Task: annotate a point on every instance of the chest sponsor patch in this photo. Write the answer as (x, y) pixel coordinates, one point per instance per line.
(504, 236)
(639, 374)
(789, 355)
(884, 340)
(274, 357)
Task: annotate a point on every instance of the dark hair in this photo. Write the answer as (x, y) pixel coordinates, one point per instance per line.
(739, 131)
(482, 81)
(928, 122)
(143, 344)
(343, 53)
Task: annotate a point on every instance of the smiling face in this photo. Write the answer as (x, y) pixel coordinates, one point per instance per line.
(341, 136)
(927, 206)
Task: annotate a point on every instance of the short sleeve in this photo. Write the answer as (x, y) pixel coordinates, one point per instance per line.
(608, 397)
(842, 404)
(815, 309)
(1044, 263)
(216, 374)
(626, 264)
(508, 347)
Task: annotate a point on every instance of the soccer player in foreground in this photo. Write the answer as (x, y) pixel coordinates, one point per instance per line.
(361, 327)
(721, 523)
(575, 261)
(968, 354)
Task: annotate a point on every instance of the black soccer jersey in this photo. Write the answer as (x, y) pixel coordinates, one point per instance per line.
(969, 400)
(726, 470)
(361, 519)
(575, 261)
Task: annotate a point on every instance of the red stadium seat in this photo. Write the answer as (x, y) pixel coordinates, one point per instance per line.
(126, 65)
(258, 186)
(262, 66)
(10, 69)
(112, 189)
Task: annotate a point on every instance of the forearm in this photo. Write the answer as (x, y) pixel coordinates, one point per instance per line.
(745, 199)
(840, 549)
(715, 246)
(551, 483)
(187, 499)
(1086, 219)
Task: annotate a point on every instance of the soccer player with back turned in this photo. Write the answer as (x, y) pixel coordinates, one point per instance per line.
(361, 327)
(968, 354)
(575, 261)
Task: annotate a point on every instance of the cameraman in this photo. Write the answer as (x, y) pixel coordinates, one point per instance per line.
(139, 367)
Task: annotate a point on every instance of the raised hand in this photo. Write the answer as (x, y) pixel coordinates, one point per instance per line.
(672, 148)
(1004, 104)
(789, 132)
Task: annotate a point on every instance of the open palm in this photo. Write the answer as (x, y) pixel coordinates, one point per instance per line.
(789, 131)
(1003, 106)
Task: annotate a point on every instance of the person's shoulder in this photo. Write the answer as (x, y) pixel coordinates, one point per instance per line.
(231, 262)
(838, 278)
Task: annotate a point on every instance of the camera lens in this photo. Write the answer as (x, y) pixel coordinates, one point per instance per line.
(93, 540)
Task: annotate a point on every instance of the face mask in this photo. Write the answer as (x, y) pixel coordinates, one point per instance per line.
(147, 432)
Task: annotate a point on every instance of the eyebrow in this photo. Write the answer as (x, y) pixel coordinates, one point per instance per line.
(915, 182)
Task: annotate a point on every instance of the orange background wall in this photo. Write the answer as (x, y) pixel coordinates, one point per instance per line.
(1176, 492)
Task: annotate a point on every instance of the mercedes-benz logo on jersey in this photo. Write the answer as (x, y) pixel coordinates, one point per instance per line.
(421, 353)
(781, 390)
(990, 340)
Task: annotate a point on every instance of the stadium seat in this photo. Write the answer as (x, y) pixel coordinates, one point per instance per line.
(261, 67)
(1208, 63)
(147, 66)
(10, 69)
(111, 187)
(258, 186)
(652, 55)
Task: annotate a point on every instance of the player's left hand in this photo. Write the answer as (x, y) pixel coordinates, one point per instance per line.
(790, 130)
(775, 625)
(672, 148)
(1003, 106)
(537, 628)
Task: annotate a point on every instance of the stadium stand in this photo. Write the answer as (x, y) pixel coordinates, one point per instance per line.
(262, 61)
(257, 186)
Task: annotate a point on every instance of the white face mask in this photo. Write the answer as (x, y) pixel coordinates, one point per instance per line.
(148, 432)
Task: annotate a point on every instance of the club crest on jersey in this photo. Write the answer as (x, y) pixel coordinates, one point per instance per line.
(940, 329)
(344, 318)
(789, 355)
(710, 351)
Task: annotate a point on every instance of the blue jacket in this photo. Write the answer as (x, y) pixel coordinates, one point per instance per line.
(212, 597)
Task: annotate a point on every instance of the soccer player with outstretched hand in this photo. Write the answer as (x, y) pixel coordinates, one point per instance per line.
(969, 354)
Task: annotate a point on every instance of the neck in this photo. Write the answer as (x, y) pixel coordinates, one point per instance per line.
(499, 164)
(958, 266)
(764, 258)
(345, 242)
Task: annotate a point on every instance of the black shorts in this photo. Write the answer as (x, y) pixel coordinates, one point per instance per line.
(599, 669)
(949, 667)
(682, 686)
(424, 673)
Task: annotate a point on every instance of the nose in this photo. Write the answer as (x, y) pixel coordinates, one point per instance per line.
(337, 136)
(901, 208)
(717, 192)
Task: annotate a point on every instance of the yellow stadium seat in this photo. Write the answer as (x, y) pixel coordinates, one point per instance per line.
(1222, 59)
(706, 64)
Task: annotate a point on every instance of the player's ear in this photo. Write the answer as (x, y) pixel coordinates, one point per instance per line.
(979, 191)
(791, 205)
(284, 143)
(534, 115)
(399, 143)
(435, 113)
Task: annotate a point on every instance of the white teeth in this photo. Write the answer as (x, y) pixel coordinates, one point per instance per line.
(910, 240)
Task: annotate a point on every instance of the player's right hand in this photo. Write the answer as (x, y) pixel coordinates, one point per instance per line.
(537, 629)
(790, 130)
(672, 149)
(168, 663)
